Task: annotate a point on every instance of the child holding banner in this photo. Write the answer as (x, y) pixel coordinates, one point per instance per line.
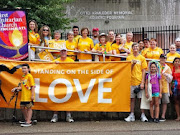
(27, 86)
(153, 79)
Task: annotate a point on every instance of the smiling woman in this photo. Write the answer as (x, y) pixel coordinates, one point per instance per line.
(85, 44)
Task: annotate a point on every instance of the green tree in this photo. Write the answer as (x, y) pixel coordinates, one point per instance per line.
(45, 12)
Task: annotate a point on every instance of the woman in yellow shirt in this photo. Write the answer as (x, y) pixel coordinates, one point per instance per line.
(153, 52)
(85, 44)
(172, 54)
(34, 38)
(71, 45)
(45, 35)
(119, 48)
(56, 43)
(102, 47)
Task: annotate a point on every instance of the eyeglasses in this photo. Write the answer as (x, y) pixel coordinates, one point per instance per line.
(45, 30)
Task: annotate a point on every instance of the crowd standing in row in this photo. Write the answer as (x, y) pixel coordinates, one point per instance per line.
(156, 81)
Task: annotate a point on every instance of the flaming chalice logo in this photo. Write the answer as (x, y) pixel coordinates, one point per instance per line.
(13, 42)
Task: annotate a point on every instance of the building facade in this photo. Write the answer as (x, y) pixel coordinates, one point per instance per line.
(116, 14)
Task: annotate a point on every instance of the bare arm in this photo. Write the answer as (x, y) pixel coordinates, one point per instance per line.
(32, 93)
(160, 86)
(146, 88)
(143, 79)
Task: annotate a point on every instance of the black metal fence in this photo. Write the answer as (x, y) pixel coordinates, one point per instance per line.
(165, 35)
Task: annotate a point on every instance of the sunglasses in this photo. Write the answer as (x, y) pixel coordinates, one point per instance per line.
(45, 30)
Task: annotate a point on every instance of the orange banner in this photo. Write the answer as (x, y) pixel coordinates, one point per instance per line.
(102, 86)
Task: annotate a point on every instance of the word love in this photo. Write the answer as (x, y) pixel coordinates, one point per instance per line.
(82, 96)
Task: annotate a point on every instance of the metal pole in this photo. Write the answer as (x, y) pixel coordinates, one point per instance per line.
(142, 33)
(29, 55)
(104, 57)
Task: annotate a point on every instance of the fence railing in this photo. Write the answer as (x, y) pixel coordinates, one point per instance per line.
(89, 52)
(165, 35)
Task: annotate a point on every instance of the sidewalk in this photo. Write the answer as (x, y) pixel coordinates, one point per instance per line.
(93, 128)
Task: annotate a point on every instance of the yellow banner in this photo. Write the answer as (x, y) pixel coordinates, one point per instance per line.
(71, 86)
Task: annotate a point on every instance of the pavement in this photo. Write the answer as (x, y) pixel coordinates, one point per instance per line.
(117, 127)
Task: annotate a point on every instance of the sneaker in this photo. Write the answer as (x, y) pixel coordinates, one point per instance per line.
(69, 119)
(130, 118)
(151, 120)
(26, 125)
(34, 122)
(144, 119)
(54, 119)
(156, 120)
(162, 120)
(22, 122)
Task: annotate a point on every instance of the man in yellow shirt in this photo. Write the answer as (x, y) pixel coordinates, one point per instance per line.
(63, 58)
(76, 33)
(27, 87)
(138, 68)
(165, 77)
(111, 37)
(128, 43)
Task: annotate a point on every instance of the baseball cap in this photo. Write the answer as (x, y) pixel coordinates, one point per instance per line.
(95, 29)
(103, 34)
(178, 39)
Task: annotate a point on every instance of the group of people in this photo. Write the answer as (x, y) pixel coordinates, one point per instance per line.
(154, 82)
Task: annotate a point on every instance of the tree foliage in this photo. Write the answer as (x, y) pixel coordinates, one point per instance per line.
(45, 12)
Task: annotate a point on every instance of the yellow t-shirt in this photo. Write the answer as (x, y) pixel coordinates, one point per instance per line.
(164, 83)
(83, 44)
(34, 38)
(129, 45)
(58, 44)
(116, 47)
(66, 60)
(27, 82)
(170, 56)
(109, 43)
(136, 73)
(152, 53)
(142, 51)
(76, 38)
(71, 46)
(103, 48)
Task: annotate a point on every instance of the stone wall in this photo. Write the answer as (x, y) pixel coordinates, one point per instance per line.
(6, 115)
(115, 14)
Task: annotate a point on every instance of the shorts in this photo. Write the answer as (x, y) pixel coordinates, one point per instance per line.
(27, 104)
(80, 60)
(176, 92)
(165, 98)
(133, 95)
(155, 94)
